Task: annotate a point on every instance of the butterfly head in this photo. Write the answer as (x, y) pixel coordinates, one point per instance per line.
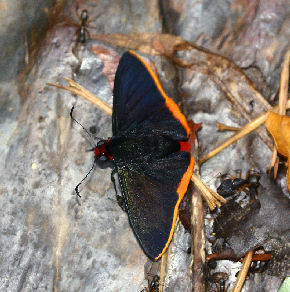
(101, 149)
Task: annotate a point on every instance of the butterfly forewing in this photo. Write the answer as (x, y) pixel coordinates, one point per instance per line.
(138, 104)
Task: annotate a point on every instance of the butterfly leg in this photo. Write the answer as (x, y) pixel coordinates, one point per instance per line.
(119, 198)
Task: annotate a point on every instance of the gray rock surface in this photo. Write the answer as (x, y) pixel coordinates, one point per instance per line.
(51, 241)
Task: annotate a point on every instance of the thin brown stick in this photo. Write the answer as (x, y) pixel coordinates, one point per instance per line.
(77, 89)
(163, 270)
(223, 127)
(197, 264)
(244, 131)
(274, 162)
(261, 257)
(243, 272)
(276, 166)
(230, 255)
(198, 244)
(284, 82)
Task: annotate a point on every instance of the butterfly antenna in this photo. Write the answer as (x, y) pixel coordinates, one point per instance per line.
(71, 115)
(77, 187)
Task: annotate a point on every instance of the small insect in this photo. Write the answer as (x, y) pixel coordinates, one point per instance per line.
(230, 186)
(220, 279)
(149, 149)
(258, 266)
(221, 286)
(82, 31)
(251, 106)
(153, 285)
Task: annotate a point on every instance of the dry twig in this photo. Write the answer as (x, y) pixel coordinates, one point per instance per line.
(163, 270)
(77, 89)
(197, 243)
(253, 125)
(243, 132)
(197, 264)
(223, 127)
(243, 272)
(212, 198)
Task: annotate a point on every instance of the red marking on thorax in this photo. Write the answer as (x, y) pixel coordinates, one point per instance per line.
(184, 146)
(102, 150)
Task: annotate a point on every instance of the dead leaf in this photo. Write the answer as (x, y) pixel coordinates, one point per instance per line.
(288, 175)
(279, 128)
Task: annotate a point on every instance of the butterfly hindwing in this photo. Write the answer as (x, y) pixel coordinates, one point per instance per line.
(151, 194)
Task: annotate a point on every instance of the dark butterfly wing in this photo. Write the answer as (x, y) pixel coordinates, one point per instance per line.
(140, 104)
(152, 192)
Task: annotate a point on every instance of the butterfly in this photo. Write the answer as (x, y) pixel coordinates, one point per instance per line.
(149, 149)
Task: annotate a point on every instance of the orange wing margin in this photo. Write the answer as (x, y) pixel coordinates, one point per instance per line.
(181, 190)
(171, 105)
(174, 109)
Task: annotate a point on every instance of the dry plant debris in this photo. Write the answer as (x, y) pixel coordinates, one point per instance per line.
(248, 128)
(278, 124)
(212, 198)
(279, 127)
(243, 272)
(223, 127)
(77, 89)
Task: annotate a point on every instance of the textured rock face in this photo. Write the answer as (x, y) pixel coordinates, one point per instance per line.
(49, 239)
(253, 34)
(22, 24)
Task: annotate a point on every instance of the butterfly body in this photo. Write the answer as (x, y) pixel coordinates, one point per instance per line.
(141, 148)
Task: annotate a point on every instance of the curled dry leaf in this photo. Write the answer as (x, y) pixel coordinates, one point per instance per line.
(279, 128)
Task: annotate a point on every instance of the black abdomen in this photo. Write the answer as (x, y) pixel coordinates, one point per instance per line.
(146, 147)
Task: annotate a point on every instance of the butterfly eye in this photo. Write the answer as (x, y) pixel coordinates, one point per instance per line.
(101, 143)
